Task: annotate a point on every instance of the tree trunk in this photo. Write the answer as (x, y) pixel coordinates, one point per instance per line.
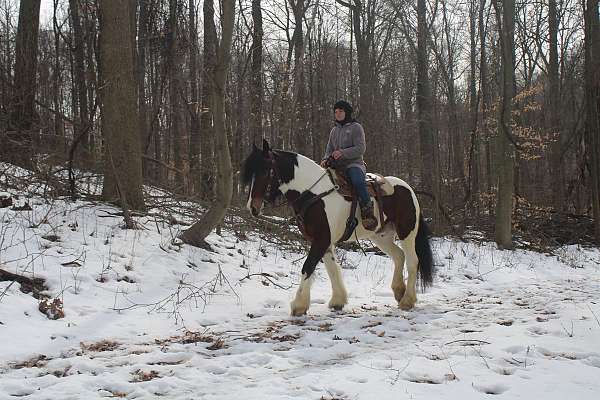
(592, 101)
(21, 118)
(473, 161)
(175, 94)
(142, 44)
(256, 81)
(82, 126)
(206, 118)
(455, 132)
(299, 129)
(484, 93)
(194, 108)
(123, 163)
(553, 113)
(505, 148)
(429, 168)
(196, 234)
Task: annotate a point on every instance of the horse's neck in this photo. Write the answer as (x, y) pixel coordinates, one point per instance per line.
(308, 175)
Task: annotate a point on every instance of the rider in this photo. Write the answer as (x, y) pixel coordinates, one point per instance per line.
(346, 146)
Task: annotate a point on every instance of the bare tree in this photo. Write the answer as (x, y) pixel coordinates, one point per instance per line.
(505, 143)
(299, 129)
(196, 234)
(429, 158)
(194, 108)
(21, 118)
(177, 126)
(592, 97)
(83, 126)
(256, 77)
(553, 114)
(206, 117)
(123, 162)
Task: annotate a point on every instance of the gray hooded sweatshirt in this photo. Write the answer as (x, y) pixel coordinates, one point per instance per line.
(350, 139)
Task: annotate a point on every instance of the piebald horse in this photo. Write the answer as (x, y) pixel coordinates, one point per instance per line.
(322, 212)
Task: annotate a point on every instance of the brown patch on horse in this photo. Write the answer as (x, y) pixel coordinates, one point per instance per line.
(314, 227)
(400, 209)
(313, 224)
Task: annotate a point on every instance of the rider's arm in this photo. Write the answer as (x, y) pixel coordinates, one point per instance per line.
(329, 149)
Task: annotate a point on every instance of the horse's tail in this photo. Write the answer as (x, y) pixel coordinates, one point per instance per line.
(423, 250)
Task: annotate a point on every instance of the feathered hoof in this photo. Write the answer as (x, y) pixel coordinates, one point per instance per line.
(406, 303)
(399, 292)
(298, 310)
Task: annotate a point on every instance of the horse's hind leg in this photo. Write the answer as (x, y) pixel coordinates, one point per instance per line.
(339, 296)
(387, 245)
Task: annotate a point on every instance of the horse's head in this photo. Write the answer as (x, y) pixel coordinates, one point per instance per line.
(259, 171)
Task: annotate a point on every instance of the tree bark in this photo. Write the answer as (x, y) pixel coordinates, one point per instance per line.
(197, 233)
(504, 147)
(429, 160)
(82, 126)
(207, 133)
(553, 113)
(142, 44)
(21, 118)
(256, 81)
(592, 101)
(123, 162)
(484, 93)
(473, 161)
(175, 95)
(194, 108)
(299, 129)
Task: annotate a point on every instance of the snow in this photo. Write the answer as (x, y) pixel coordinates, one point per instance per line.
(148, 317)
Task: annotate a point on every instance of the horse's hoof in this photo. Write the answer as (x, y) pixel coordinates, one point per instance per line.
(336, 307)
(399, 293)
(298, 311)
(406, 304)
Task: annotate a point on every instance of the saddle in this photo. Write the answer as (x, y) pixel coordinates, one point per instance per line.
(374, 183)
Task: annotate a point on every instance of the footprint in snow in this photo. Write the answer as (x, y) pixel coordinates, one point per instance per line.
(490, 388)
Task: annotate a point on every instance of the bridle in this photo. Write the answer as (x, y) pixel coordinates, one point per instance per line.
(275, 182)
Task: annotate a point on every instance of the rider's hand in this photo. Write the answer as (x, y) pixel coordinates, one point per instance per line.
(324, 163)
(337, 154)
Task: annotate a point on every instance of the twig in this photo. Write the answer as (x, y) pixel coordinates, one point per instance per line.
(269, 278)
(469, 342)
(594, 314)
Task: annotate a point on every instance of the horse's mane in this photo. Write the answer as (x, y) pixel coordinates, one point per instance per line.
(256, 164)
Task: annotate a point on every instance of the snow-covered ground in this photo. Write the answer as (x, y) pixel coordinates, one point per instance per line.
(147, 318)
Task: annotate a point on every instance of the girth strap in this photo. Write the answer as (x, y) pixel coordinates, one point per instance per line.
(310, 202)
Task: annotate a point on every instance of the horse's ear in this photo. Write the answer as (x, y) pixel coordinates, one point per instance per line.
(254, 148)
(266, 147)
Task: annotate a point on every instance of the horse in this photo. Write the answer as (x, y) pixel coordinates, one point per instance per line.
(321, 213)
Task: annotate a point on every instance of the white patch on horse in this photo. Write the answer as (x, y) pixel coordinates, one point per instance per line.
(306, 174)
(301, 302)
(339, 295)
(249, 203)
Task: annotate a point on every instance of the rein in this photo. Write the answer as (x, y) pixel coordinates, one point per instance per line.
(274, 175)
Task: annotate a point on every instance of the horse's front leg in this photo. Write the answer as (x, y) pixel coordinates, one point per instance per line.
(301, 302)
(339, 296)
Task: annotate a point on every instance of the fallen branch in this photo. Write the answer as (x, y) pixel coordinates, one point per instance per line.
(28, 285)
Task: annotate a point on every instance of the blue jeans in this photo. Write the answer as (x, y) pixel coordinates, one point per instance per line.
(357, 177)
